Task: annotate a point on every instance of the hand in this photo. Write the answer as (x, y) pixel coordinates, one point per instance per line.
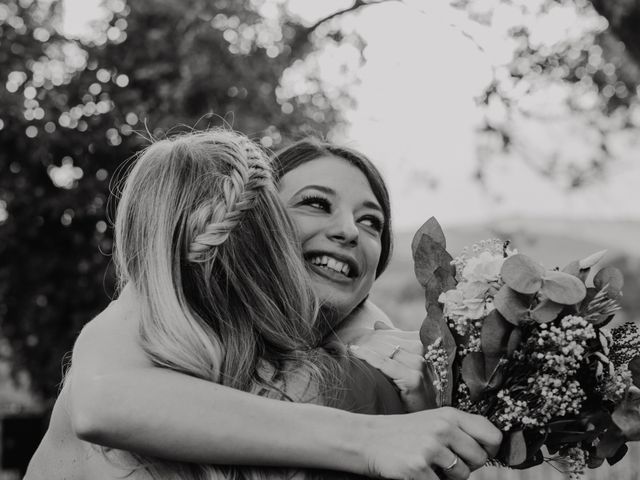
(399, 355)
(423, 445)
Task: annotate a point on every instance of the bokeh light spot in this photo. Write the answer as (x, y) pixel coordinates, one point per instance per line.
(122, 80)
(103, 75)
(131, 118)
(102, 174)
(30, 92)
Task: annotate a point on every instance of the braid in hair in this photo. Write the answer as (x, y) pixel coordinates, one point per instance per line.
(247, 175)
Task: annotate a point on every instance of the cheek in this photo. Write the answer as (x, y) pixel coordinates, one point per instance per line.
(372, 249)
(305, 227)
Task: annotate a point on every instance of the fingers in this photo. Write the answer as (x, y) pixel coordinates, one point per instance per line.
(385, 340)
(482, 430)
(468, 449)
(451, 466)
(428, 475)
(404, 366)
(380, 325)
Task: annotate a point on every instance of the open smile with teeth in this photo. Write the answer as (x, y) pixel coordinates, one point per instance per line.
(331, 263)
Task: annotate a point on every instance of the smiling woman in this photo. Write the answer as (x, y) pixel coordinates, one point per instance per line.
(340, 206)
(149, 402)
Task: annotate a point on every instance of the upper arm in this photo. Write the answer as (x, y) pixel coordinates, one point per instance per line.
(106, 346)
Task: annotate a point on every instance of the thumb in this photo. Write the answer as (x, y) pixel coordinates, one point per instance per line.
(380, 325)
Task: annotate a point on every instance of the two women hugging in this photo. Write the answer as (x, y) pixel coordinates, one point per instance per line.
(242, 343)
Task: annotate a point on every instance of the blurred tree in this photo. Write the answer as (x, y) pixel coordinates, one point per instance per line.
(69, 113)
(566, 101)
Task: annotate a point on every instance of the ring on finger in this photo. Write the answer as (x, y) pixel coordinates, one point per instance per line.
(396, 349)
(452, 465)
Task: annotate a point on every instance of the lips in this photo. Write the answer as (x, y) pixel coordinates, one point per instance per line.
(334, 265)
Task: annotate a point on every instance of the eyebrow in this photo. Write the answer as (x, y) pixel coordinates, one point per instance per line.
(331, 191)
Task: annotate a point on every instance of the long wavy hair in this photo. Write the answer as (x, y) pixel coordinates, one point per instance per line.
(203, 238)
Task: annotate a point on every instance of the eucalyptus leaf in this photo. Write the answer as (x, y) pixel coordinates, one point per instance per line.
(536, 459)
(563, 288)
(612, 279)
(591, 260)
(444, 275)
(610, 442)
(432, 229)
(515, 339)
(619, 455)
(594, 461)
(495, 333)
(433, 328)
(513, 306)
(513, 450)
(430, 257)
(546, 311)
(572, 268)
(479, 375)
(522, 274)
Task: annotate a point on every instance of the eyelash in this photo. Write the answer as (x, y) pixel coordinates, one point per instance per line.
(376, 224)
(322, 201)
(324, 204)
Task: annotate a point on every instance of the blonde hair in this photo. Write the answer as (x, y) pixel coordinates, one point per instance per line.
(203, 238)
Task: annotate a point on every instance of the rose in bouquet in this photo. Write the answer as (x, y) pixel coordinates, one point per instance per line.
(528, 348)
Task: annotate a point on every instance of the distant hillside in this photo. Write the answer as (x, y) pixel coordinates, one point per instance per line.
(552, 242)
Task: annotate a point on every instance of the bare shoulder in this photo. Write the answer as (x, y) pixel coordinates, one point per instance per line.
(120, 316)
(112, 336)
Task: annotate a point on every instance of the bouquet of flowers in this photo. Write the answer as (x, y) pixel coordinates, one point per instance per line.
(527, 348)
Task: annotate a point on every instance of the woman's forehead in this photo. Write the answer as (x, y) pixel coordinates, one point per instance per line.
(328, 173)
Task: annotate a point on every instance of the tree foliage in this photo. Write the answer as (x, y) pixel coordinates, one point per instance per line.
(70, 114)
(573, 70)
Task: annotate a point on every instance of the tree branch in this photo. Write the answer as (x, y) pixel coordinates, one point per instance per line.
(302, 38)
(356, 5)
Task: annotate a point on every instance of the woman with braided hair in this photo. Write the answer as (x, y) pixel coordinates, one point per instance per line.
(218, 297)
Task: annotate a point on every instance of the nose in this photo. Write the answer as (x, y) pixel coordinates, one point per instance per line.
(343, 229)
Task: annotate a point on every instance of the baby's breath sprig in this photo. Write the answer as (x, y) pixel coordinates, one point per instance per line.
(542, 381)
(626, 344)
(576, 462)
(615, 386)
(438, 360)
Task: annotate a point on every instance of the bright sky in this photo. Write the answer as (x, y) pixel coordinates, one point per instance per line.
(416, 116)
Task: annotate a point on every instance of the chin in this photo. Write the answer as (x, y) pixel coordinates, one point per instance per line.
(335, 301)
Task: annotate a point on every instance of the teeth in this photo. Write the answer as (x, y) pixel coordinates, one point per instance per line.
(331, 263)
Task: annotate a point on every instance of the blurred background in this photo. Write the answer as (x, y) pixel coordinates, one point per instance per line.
(516, 119)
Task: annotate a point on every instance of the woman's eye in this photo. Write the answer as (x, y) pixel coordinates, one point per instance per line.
(317, 202)
(373, 223)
